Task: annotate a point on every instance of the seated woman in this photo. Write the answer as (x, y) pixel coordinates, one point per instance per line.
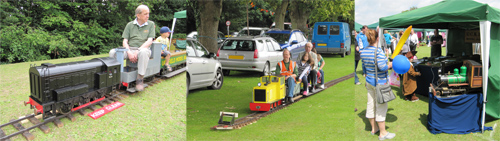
(304, 68)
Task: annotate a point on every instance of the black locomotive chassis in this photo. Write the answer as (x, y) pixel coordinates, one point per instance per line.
(59, 88)
(52, 108)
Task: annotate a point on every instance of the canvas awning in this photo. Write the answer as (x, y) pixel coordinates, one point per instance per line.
(458, 16)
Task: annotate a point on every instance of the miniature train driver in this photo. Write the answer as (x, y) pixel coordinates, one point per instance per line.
(288, 68)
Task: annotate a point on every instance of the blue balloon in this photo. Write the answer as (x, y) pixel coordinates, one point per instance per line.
(401, 64)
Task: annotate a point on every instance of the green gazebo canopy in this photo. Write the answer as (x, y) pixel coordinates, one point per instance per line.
(464, 14)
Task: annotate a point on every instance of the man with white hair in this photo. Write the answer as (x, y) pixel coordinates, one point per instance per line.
(313, 74)
(138, 37)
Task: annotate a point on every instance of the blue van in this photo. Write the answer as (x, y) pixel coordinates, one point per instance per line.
(332, 38)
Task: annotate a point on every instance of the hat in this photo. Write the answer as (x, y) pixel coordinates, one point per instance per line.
(165, 29)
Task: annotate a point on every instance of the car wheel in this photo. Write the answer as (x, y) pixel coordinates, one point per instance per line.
(343, 54)
(267, 70)
(219, 79)
(226, 72)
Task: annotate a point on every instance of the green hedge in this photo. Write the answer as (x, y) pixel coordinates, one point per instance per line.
(40, 30)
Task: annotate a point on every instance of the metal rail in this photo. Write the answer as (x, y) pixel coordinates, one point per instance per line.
(112, 98)
(240, 122)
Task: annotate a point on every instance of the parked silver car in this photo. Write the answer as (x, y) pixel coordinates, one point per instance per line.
(202, 69)
(249, 53)
(253, 31)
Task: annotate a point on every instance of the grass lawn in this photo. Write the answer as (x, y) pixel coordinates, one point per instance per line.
(324, 116)
(158, 113)
(407, 119)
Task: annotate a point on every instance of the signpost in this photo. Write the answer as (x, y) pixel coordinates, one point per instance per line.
(227, 24)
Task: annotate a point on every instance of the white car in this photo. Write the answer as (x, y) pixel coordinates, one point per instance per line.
(202, 69)
(253, 31)
(220, 36)
(247, 53)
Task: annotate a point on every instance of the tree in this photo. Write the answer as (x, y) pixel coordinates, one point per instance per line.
(209, 20)
(280, 12)
(299, 13)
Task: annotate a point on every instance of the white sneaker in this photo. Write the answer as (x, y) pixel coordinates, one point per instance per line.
(387, 136)
(322, 86)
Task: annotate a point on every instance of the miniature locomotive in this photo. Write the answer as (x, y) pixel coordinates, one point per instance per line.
(468, 79)
(270, 93)
(57, 89)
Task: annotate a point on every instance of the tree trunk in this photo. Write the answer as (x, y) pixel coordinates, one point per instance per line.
(279, 18)
(299, 13)
(209, 22)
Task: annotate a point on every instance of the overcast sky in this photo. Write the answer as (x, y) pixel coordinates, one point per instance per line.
(369, 11)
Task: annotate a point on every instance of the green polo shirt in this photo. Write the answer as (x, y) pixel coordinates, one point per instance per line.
(278, 69)
(138, 35)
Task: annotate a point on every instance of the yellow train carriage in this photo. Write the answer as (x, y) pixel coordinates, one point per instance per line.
(269, 93)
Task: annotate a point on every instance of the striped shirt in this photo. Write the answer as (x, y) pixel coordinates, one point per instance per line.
(367, 57)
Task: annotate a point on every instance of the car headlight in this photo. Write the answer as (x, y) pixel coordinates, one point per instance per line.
(259, 84)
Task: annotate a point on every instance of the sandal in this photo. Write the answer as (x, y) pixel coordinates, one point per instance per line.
(168, 67)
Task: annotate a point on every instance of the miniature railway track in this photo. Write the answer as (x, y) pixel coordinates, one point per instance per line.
(252, 118)
(112, 97)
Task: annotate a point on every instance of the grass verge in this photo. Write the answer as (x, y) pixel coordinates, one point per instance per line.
(158, 113)
(320, 117)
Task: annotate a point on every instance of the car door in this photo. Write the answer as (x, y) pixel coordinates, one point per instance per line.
(334, 38)
(302, 41)
(271, 51)
(207, 73)
(347, 37)
(277, 53)
(194, 64)
(321, 37)
(297, 48)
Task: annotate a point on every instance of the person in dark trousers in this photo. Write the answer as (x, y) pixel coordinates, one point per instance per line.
(436, 42)
(361, 42)
(356, 60)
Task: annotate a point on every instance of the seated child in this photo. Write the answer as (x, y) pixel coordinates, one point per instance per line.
(304, 67)
(163, 39)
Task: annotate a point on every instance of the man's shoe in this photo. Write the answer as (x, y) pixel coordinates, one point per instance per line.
(290, 99)
(139, 83)
(322, 86)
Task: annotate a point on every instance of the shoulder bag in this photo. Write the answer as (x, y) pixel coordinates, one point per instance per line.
(384, 92)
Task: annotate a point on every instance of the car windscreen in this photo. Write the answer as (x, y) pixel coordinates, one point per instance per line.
(280, 38)
(240, 45)
(252, 32)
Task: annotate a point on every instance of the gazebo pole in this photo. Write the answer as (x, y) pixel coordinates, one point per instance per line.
(485, 27)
